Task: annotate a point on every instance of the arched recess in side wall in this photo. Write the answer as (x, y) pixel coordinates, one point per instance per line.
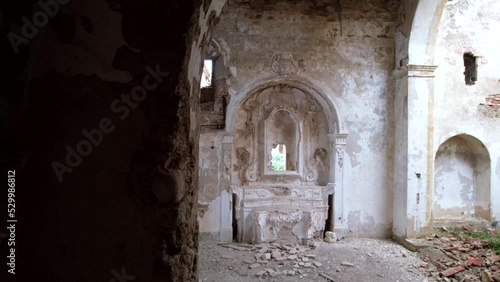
(424, 29)
(461, 181)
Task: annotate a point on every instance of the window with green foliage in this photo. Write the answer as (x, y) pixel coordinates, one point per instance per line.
(278, 157)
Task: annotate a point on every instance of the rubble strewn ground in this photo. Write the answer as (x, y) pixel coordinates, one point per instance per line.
(463, 254)
(346, 260)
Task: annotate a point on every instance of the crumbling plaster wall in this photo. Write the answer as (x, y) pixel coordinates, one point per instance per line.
(469, 26)
(209, 209)
(352, 65)
(129, 206)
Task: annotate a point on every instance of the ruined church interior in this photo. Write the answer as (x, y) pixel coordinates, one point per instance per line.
(252, 140)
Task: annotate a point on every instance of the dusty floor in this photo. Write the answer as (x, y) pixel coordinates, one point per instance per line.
(372, 260)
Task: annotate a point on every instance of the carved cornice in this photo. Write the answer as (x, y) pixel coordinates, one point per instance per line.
(426, 71)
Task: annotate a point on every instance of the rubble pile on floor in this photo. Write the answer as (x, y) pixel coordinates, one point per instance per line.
(272, 258)
(460, 258)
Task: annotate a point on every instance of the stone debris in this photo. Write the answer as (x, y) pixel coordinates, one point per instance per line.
(269, 253)
(276, 254)
(327, 277)
(260, 273)
(330, 237)
(292, 257)
(263, 250)
(458, 257)
(347, 264)
(255, 265)
(236, 247)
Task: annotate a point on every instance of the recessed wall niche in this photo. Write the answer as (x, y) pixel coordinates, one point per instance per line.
(289, 121)
(282, 165)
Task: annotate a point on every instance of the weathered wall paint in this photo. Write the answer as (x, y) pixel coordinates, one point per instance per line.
(469, 26)
(353, 69)
(454, 181)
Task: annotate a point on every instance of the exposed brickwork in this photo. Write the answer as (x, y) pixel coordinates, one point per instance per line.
(493, 102)
(492, 106)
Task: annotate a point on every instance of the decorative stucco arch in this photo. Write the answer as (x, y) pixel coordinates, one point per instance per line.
(334, 120)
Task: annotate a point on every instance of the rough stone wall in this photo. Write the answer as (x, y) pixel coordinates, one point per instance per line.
(469, 26)
(348, 53)
(128, 206)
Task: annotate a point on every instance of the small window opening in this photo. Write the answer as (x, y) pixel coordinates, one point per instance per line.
(470, 69)
(207, 75)
(278, 157)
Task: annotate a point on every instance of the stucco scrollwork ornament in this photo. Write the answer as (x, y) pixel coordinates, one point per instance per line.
(300, 193)
(284, 64)
(261, 193)
(251, 172)
(202, 209)
(340, 155)
(280, 219)
(245, 167)
(312, 105)
(255, 30)
(209, 192)
(316, 164)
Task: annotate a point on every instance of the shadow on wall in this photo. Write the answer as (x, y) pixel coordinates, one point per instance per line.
(461, 181)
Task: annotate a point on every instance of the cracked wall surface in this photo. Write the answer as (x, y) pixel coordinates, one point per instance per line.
(468, 27)
(302, 40)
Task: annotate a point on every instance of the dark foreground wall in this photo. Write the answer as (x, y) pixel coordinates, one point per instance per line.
(96, 123)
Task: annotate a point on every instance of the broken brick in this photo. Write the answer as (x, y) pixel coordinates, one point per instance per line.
(452, 271)
(474, 261)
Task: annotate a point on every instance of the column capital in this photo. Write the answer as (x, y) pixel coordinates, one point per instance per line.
(227, 139)
(339, 138)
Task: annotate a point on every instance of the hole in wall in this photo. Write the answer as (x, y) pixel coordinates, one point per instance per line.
(470, 73)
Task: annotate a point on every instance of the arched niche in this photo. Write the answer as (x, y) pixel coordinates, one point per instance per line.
(461, 181)
(288, 117)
